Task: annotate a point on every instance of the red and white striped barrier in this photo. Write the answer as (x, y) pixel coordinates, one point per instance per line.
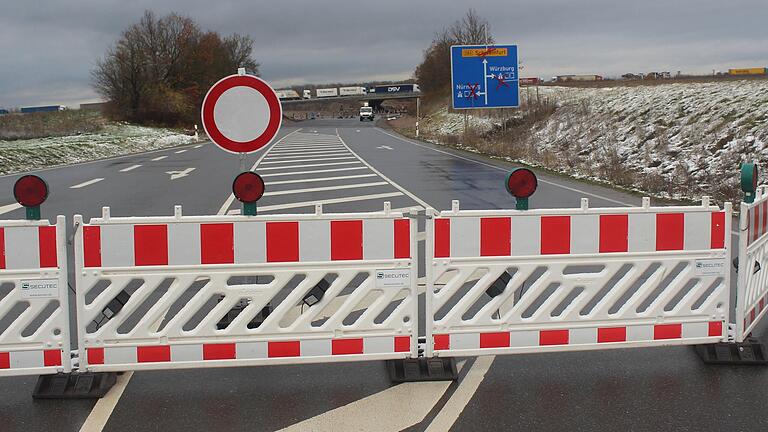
(506, 281)
(33, 298)
(752, 287)
(172, 281)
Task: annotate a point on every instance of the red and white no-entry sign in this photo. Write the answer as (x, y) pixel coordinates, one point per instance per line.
(241, 113)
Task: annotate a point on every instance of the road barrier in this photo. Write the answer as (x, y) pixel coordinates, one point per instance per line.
(214, 291)
(508, 281)
(34, 307)
(752, 286)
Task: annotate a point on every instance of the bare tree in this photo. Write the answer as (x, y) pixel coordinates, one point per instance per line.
(160, 68)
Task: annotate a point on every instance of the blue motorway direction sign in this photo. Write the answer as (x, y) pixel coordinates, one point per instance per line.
(484, 76)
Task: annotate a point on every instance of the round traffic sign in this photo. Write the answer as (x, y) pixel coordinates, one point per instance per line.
(241, 113)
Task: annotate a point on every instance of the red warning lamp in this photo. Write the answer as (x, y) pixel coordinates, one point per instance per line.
(248, 187)
(31, 191)
(522, 183)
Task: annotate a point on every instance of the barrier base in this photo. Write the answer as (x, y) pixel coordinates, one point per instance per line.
(422, 369)
(749, 352)
(86, 385)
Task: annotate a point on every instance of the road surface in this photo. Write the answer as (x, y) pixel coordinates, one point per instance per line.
(352, 166)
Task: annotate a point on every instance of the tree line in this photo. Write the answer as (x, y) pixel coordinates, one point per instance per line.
(433, 74)
(161, 67)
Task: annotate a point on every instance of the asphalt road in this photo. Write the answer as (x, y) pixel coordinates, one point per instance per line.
(352, 166)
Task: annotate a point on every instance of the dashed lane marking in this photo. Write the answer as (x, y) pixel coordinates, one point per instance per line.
(505, 169)
(159, 158)
(321, 179)
(9, 208)
(325, 188)
(130, 168)
(88, 183)
(180, 151)
(198, 146)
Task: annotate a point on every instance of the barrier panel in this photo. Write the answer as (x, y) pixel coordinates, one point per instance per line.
(508, 281)
(752, 287)
(214, 291)
(34, 305)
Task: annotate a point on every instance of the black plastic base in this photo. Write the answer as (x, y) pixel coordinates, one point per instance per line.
(88, 385)
(422, 369)
(749, 352)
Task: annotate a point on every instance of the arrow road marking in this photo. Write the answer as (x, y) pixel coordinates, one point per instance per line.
(384, 147)
(179, 174)
(88, 183)
(130, 168)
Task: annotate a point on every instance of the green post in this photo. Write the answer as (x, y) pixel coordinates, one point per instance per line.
(749, 181)
(249, 209)
(33, 213)
(521, 203)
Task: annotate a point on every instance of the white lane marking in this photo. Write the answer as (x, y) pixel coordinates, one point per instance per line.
(234, 212)
(384, 147)
(321, 179)
(461, 397)
(283, 153)
(130, 168)
(506, 170)
(397, 186)
(101, 412)
(180, 174)
(271, 162)
(88, 183)
(180, 151)
(159, 158)
(325, 188)
(228, 202)
(314, 172)
(198, 146)
(104, 407)
(275, 156)
(330, 201)
(392, 409)
(9, 208)
(310, 165)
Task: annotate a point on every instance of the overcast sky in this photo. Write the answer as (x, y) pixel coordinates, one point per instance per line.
(48, 47)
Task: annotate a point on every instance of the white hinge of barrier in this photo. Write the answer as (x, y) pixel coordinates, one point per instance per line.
(752, 287)
(212, 291)
(34, 302)
(508, 281)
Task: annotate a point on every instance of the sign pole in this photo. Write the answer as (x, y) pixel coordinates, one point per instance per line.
(417, 116)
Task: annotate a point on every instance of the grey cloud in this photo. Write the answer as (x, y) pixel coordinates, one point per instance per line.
(48, 47)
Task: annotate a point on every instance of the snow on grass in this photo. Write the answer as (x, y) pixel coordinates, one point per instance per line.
(113, 140)
(679, 141)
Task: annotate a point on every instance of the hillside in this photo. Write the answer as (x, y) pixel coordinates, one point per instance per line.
(677, 141)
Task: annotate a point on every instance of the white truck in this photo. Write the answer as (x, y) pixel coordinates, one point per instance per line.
(352, 91)
(327, 92)
(366, 113)
(307, 94)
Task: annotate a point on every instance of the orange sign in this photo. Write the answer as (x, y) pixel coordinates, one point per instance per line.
(484, 52)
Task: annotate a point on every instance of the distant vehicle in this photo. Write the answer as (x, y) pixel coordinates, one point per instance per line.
(4, 111)
(327, 92)
(395, 88)
(352, 91)
(566, 78)
(287, 95)
(748, 71)
(47, 108)
(658, 75)
(530, 81)
(307, 94)
(366, 113)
